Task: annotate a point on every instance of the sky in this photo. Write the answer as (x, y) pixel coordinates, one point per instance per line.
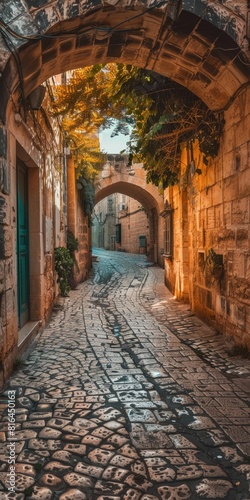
(112, 145)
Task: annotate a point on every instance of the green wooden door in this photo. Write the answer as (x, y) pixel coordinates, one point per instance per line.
(22, 245)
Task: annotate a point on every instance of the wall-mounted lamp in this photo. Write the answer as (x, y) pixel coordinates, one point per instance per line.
(35, 98)
(167, 209)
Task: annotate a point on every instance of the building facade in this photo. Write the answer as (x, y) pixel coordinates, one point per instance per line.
(38, 205)
(33, 221)
(207, 229)
(120, 223)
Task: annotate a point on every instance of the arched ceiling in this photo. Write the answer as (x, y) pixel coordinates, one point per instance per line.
(201, 44)
(142, 195)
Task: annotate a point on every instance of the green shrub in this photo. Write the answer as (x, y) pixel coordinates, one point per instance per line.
(63, 267)
(72, 246)
(72, 242)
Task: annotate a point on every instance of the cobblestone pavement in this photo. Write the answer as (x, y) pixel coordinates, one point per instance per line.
(127, 395)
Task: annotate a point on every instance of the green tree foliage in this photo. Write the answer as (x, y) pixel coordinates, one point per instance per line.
(166, 115)
(79, 103)
(163, 115)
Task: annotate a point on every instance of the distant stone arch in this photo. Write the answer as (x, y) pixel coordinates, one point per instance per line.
(202, 45)
(133, 183)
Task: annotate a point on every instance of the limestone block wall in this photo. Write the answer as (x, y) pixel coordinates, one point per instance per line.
(8, 322)
(104, 220)
(120, 209)
(134, 223)
(211, 212)
(83, 256)
(78, 224)
(231, 212)
(23, 143)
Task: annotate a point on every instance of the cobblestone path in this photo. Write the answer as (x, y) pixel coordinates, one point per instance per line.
(127, 395)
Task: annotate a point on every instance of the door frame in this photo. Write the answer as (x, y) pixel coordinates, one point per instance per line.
(23, 307)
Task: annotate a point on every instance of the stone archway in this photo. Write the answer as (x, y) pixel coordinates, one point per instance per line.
(202, 45)
(111, 181)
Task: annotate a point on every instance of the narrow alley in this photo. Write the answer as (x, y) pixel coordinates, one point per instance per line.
(127, 395)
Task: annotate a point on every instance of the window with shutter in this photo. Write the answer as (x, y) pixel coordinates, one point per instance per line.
(167, 213)
(118, 235)
(168, 235)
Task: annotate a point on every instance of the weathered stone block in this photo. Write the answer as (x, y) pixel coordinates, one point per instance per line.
(217, 194)
(240, 211)
(244, 151)
(242, 238)
(8, 363)
(246, 97)
(244, 183)
(230, 188)
(46, 17)
(239, 288)
(218, 169)
(4, 210)
(229, 265)
(210, 175)
(229, 81)
(4, 176)
(240, 314)
(38, 298)
(242, 131)
(227, 237)
(2, 251)
(218, 215)
(228, 308)
(11, 334)
(206, 198)
(2, 338)
(239, 265)
(3, 142)
(8, 242)
(8, 274)
(247, 267)
(10, 10)
(227, 213)
(228, 166)
(8, 311)
(223, 303)
(2, 276)
(246, 337)
(210, 218)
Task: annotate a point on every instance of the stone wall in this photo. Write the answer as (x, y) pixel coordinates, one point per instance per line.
(120, 209)
(79, 224)
(131, 182)
(211, 211)
(134, 223)
(8, 320)
(104, 221)
(28, 142)
(202, 45)
(83, 255)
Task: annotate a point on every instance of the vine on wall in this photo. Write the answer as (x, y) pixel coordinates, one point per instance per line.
(87, 196)
(63, 267)
(72, 246)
